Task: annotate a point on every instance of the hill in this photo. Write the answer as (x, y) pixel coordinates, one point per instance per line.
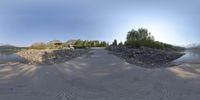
(6, 46)
(194, 46)
(10, 48)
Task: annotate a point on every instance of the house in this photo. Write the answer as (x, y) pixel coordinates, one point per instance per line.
(70, 42)
(55, 44)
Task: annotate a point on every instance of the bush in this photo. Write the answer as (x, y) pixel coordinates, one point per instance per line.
(38, 46)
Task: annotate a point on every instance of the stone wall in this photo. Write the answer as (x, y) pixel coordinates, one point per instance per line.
(50, 56)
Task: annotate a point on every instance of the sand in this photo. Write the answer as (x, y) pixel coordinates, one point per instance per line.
(98, 76)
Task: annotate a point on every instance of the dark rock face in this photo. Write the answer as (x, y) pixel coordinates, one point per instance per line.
(144, 56)
(50, 56)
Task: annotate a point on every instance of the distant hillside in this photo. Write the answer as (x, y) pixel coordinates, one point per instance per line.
(6, 46)
(1, 44)
(10, 48)
(194, 46)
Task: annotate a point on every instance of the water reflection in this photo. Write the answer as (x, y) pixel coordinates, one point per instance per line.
(9, 57)
(191, 56)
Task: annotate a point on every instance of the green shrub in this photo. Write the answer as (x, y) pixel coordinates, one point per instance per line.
(38, 46)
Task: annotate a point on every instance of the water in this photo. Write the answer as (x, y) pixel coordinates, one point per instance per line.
(9, 57)
(191, 56)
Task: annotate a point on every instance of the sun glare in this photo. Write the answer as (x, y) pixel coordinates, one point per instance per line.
(161, 29)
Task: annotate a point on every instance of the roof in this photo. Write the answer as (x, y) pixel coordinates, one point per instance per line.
(54, 41)
(71, 42)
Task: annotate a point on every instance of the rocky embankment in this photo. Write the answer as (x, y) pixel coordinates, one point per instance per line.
(50, 56)
(145, 57)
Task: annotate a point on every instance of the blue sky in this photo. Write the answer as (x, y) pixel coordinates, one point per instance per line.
(23, 22)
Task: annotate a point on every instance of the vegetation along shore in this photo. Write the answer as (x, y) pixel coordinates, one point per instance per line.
(56, 51)
(141, 49)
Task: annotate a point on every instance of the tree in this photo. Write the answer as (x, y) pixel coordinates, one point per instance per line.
(85, 43)
(142, 37)
(79, 44)
(120, 43)
(114, 43)
(138, 38)
(140, 34)
(103, 44)
(95, 43)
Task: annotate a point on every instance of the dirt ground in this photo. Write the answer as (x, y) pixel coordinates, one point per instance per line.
(98, 76)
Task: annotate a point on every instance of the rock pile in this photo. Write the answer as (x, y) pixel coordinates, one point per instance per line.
(50, 56)
(144, 56)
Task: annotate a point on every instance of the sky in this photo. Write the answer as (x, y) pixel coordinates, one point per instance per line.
(23, 22)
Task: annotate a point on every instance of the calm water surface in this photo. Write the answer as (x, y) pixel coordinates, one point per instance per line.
(9, 57)
(191, 56)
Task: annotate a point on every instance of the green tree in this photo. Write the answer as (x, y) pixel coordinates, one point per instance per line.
(114, 43)
(140, 34)
(103, 44)
(120, 43)
(142, 37)
(85, 43)
(79, 44)
(95, 43)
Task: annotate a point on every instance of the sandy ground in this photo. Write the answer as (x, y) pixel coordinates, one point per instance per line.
(98, 76)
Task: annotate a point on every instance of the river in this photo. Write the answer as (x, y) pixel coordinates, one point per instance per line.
(191, 56)
(9, 57)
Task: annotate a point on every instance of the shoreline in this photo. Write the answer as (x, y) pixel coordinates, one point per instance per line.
(48, 57)
(145, 57)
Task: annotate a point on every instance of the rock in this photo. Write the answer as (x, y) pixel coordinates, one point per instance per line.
(50, 56)
(144, 55)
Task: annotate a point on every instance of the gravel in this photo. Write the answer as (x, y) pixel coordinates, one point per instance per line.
(50, 56)
(144, 56)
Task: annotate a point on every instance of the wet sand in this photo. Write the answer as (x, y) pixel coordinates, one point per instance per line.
(98, 76)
